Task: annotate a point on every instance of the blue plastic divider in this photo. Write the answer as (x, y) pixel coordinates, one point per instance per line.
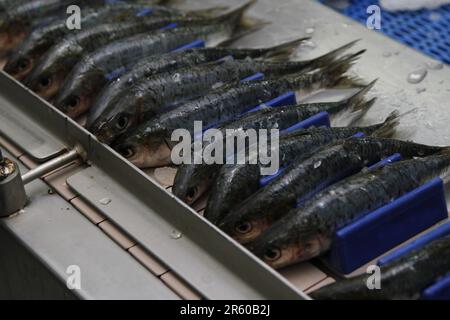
(285, 99)
(254, 77)
(265, 180)
(321, 119)
(394, 158)
(438, 291)
(145, 12)
(318, 120)
(195, 44)
(379, 231)
(172, 25)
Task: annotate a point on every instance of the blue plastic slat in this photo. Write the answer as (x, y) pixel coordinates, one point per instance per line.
(144, 12)
(285, 99)
(115, 74)
(319, 120)
(438, 291)
(254, 77)
(265, 180)
(172, 25)
(425, 30)
(381, 230)
(439, 232)
(195, 44)
(359, 135)
(394, 158)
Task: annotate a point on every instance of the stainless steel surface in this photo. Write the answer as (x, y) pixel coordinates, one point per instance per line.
(204, 257)
(50, 165)
(22, 127)
(57, 236)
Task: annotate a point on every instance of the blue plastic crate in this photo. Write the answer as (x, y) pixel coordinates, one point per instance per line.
(425, 30)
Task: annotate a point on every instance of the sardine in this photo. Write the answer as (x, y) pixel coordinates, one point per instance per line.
(305, 177)
(17, 22)
(404, 278)
(147, 146)
(49, 74)
(307, 231)
(90, 75)
(24, 58)
(223, 104)
(186, 181)
(172, 61)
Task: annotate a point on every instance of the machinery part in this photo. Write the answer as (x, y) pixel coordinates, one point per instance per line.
(12, 191)
(50, 166)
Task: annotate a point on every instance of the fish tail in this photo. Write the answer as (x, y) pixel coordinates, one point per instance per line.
(333, 73)
(331, 56)
(356, 102)
(284, 50)
(388, 127)
(241, 25)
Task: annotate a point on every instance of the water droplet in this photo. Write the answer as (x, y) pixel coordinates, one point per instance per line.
(435, 65)
(417, 75)
(309, 30)
(175, 234)
(317, 164)
(105, 201)
(176, 77)
(387, 54)
(420, 90)
(308, 44)
(429, 125)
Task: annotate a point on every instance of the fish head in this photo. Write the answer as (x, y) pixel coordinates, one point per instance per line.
(11, 35)
(282, 245)
(187, 185)
(79, 90)
(145, 151)
(46, 84)
(19, 65)
(245, 225)
(108, 128)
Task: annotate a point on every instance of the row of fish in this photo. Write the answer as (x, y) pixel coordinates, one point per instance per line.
(128, 74)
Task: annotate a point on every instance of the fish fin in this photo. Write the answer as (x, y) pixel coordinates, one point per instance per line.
(387, 129)
(283, 50)
(333, 73)
(361, 109)
(331, 56)
(355, 101)
(242, 25)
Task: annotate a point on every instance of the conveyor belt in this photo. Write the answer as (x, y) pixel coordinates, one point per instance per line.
(142, 213)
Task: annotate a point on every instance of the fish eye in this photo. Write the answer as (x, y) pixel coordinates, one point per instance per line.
(243, 227)
(23, 64)
(122, 122)
(126, 151)
(44, 82)
(191, 193)
(73, 102)
(272, 254)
